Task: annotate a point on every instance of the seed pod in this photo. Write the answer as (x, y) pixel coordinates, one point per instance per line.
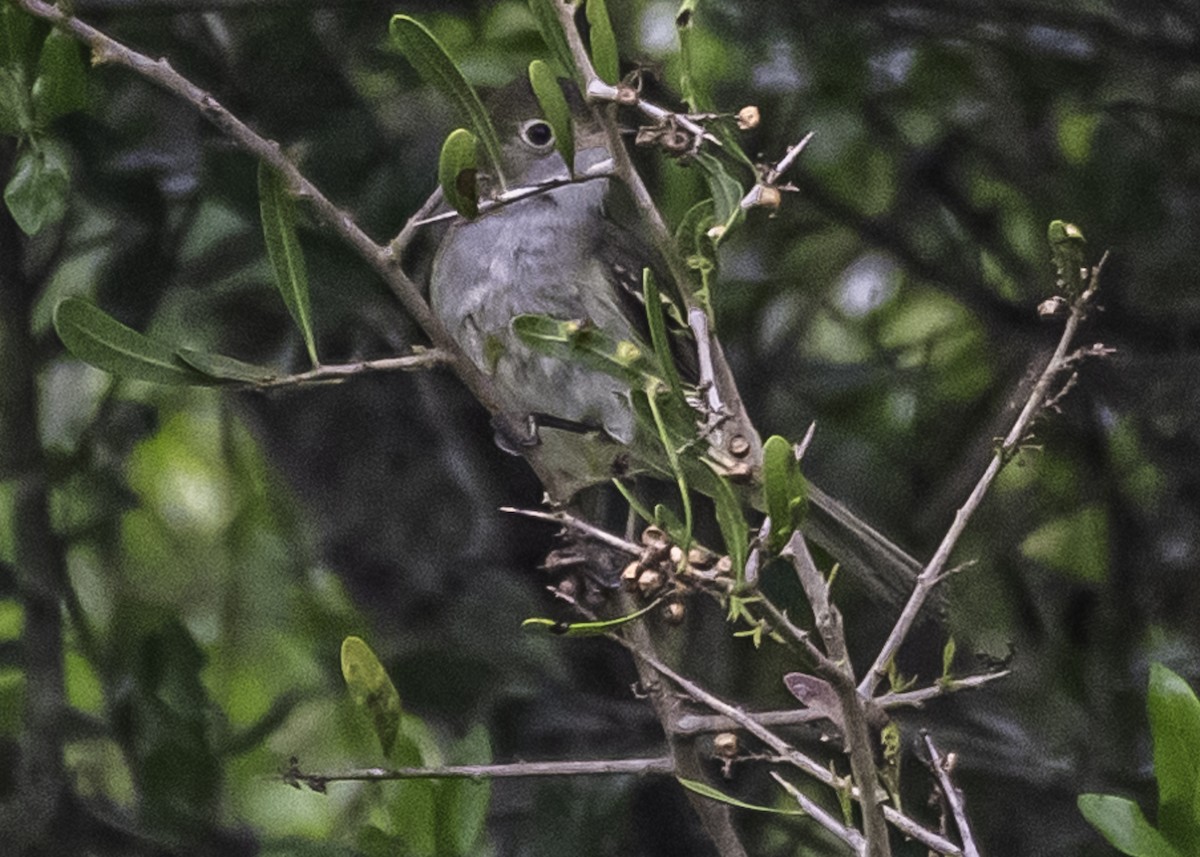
(629, 576)
(673, 612)
(649, 582)
(725, 745)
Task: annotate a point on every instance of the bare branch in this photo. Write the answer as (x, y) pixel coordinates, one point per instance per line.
(847, 834)
(932, 573)
(600, 767)
(953, 794)
(697, 723)
(590, 530)
(332, 373)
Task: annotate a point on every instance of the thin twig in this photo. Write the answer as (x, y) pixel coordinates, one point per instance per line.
(849, 835)
(600, 767)
(932, 573)
(335, 372)
(697, 723)
(953, 795)
(590, 530)
(786, 751)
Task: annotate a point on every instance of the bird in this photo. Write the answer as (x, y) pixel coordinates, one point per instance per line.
(563, 242)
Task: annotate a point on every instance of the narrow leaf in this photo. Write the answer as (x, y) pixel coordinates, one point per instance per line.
(636, 505)
(97, 338)
(1122, 823)
(553, 36)
(695, 95)
(714, 794)
(224, 368)
(658, 333)
(1066, 252)
(727, 191)
(784, 490)
(604, 42)
(457, 168)
(17, 42)
(732, 522)
(371, 688)
(436, 67)
(61, 83)
(589, 629)
(283, 248)
(555, 109)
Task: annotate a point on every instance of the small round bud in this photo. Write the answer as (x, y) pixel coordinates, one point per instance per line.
(701, 557)
(725, 745)
(649, 582)
(676, 555)
(673, 612)
(627, 95)
(748, 117)
(629, 576)
(738, 445)
(724, 565)
(1052, 307)
(652, 537)
(716, 232)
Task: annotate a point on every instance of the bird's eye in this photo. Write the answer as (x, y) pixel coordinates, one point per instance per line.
(538, 134)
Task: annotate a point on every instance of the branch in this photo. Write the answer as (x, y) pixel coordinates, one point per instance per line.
(953, 794)
(640, 767)
(336, 372)
(697, 723)
(840, 674)
(1060, 361)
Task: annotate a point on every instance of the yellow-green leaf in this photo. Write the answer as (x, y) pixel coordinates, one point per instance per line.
(371, 688)
(552, 34)
(715, 794)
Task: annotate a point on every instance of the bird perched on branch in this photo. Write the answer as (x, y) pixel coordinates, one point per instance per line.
(544, 293)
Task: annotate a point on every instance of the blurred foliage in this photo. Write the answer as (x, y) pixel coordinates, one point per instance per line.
(218, 548)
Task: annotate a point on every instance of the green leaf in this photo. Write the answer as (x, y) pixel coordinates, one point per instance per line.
(436, 67)
(735, 532)
(709, 792)
(1175, 727)
(16, 112)
(224, 368)
(553, 36)
(636, 505)
(727, 192)
(658, 333)
(371, 688)
(948, 652)
(785, 491)
(1066, 252)
(457, 168)
(588, 629)
(283, 248)
(17, 38)
(97, 338)
(36, 194)
(555, 108)
(462, 804)
(695, 95)
(586, 344)
(1123, 825)
(61, 83)
(604, 43)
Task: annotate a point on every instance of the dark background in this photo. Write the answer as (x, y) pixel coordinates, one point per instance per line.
(220, 546)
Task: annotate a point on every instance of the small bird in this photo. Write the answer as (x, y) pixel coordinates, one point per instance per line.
(565, 253)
